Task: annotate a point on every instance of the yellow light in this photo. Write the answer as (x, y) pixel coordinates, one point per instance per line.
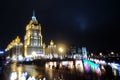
(114, 72)
(17, 40)
(100, 54)
(61, 49)
(51, 43)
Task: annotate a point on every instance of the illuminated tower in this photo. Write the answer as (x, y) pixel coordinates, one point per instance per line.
(33, 38)
(84, 52)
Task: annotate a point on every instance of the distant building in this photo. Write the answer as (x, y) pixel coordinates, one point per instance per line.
(33, 39)
(73, 50)
(79, 51)
(50, 51)
(1, 52)
(33, 47)
(84, 52)
(14, 50)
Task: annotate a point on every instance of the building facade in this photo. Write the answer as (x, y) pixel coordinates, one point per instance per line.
(33, 39)
(14, 50)
(84, 52)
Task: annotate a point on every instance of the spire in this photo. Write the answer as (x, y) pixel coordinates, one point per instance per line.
(33, 17)
(33, 13)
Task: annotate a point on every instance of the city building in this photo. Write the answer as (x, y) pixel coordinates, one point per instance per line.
(33, 39)
(84, 52)
(33, 47)
(51, 50)
(14, 50)
(2, 54)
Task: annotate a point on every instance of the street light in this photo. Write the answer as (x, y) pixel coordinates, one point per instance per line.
(112, 53)
(100, 54)
(60, 51)
(91, 54)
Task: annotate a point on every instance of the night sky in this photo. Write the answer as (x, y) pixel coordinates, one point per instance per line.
(91, 23)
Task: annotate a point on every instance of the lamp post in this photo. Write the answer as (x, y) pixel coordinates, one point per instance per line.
(60, 51)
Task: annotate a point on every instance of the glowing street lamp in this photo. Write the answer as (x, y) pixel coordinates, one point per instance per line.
(60, 50)
(112, 53)
(100, 54)
(91, 54)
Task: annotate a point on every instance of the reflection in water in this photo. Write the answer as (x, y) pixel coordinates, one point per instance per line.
(64, 70)
(79, 66)
(91, 66)
(31, 69)
(68, 68)
(24, 72)
(13, 76)
(16, 72)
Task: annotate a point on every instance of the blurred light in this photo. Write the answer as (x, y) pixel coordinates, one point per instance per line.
(112, 53)
(100, 54)
(70, 64)
(20, 58)
(79, 65)
(44, 78)
(1, 52)
(34, 53)
(61, 49)
(89, 65)
(91, 54)
(103, 68)
(13, 76)
(102, 62)
(114, 72)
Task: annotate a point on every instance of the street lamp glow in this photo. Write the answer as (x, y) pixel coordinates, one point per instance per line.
(61, 50)
(100, 54)
(91, 54)
(112, 53)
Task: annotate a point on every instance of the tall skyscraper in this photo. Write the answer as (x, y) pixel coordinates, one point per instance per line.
(33, 38)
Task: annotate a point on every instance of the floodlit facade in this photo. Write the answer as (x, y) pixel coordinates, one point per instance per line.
(33, 47)
(33, 39)
(51, 50)
(14, 50)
